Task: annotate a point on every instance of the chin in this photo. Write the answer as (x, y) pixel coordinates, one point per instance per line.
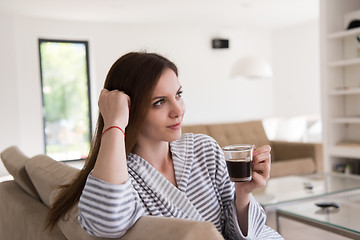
(174, 136)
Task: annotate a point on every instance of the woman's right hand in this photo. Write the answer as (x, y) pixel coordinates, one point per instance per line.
(114, 107)
(110, 165)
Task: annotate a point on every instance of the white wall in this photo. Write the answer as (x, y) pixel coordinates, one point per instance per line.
(296, 64)
(210, 93)
(9, 104)
(9, 86)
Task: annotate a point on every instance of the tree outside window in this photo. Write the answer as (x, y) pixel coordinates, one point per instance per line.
(66, 98)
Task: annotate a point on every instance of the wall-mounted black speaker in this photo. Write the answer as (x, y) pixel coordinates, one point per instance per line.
(220, 43)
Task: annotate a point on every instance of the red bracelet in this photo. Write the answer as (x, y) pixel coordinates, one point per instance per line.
(111, 128)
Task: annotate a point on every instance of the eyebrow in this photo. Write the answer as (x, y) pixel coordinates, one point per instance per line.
(160, 97)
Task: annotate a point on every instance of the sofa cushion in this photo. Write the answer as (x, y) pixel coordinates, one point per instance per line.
(293, 167)
(197, 129)
(47, 174)
(239, 133)
(14, 161)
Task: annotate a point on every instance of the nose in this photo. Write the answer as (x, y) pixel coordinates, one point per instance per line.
(177, 109)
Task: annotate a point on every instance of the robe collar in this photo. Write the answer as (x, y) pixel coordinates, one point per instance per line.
(182, 152)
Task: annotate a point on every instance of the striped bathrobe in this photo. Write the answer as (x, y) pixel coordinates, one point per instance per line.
(204, 193)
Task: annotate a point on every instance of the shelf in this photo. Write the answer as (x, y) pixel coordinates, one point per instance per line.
(346, 62)
(340, 82)
(345, 120)
(345, 91)
(343, 34)
(345, 152)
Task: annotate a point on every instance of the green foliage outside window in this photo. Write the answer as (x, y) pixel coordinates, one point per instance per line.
(66, 99)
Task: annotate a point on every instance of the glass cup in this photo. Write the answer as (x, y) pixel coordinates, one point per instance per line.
(239, 161)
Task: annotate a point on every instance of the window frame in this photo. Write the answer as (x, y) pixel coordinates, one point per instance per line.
(86, 44)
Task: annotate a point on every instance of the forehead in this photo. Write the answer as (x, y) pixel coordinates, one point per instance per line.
(168, 83)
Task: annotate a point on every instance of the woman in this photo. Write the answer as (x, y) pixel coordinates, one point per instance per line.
(150, 168)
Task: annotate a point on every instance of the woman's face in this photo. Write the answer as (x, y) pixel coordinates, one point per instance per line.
(163, 122)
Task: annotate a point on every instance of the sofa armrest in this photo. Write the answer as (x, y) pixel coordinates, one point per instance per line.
(283, 150)
(150, 227)
(147, 227)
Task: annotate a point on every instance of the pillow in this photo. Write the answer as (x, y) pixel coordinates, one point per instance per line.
(47, 174)
(14, 161)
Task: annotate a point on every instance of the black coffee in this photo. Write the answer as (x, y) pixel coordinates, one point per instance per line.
(239, 171)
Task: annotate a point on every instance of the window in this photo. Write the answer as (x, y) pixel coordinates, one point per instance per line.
(65, 86)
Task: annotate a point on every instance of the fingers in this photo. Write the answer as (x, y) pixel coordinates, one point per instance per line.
(262, 154)
(112, 96)
(104, 93)
(104, 90)
(262, 149)
(261, 173)
(261, 165)
(262, 169)
(114, 107)
(263, 157)
(259, 180)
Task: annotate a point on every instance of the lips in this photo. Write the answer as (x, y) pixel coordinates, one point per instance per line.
(175, 126)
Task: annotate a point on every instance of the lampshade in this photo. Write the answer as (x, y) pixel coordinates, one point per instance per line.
(252, 67)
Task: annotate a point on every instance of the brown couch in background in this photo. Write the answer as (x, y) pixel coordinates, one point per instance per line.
(288, 158)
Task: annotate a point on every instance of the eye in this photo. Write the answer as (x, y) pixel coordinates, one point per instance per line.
(159, 103)
(179, 94)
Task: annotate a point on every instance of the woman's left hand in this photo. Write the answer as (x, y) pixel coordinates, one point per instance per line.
(260, 170)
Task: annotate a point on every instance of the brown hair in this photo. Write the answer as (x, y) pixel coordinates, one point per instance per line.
(137, 74)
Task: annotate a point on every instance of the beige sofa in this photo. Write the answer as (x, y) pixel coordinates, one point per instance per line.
(288, 158)
(24, 203)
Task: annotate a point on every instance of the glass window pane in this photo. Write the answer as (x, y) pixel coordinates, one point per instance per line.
(66, 102)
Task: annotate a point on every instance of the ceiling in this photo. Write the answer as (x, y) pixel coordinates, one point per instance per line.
(251, 13)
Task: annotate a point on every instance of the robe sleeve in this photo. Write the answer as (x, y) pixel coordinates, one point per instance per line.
(108, 210)
(256, 215)
(256, 223)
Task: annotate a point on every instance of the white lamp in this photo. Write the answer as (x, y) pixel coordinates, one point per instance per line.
(252, 67)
